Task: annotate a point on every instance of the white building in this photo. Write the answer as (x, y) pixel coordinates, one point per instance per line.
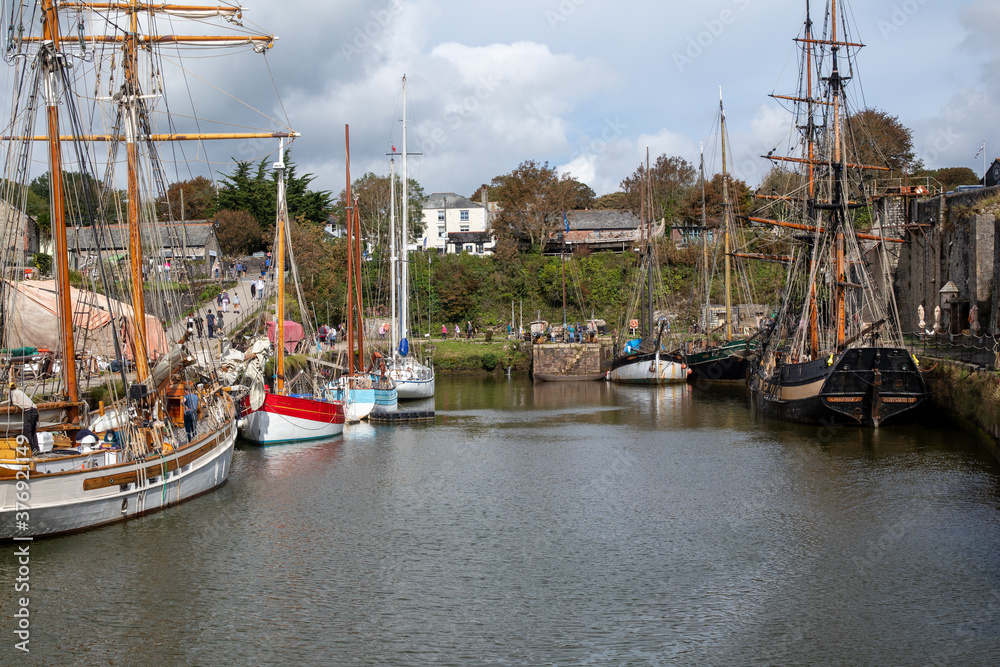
(454, 224)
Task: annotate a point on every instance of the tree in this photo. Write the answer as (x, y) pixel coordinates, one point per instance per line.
(87, 200)
(740, 199)
(256, 191)
(373, 192)
(199, 199)
(876, 138)
(612, 200)
(238, 232)
(951, 177)
(533, 198)
(669, 179)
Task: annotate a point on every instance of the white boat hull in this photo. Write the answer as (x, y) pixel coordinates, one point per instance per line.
(413, 379)
(649, 369)
(291, 419)
(64, 502)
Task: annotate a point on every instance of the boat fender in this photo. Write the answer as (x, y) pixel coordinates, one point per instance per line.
(915, 360)
(829, 360)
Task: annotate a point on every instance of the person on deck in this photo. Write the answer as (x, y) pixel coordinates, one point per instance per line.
(190, 412)
(29, 413)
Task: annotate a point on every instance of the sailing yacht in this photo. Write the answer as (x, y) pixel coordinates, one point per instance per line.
(643, 360)
(362, 392)
(274, 415)
(413, 379)
(134, 456)
(834, 353)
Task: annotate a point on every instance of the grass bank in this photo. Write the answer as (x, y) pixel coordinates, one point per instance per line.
(478, 356)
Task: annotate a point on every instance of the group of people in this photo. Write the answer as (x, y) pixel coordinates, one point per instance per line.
(222, 300)
(257, 288)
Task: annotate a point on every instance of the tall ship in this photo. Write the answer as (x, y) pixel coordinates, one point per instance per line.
(834, 353)
(88, 91)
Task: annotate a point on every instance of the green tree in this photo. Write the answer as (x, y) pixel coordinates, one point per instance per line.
(532, 199)
(951, 177)
(373, 194)
(255, 190)
(612, 200)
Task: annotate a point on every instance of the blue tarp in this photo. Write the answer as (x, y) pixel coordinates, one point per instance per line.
(632, 346)
(404, 347)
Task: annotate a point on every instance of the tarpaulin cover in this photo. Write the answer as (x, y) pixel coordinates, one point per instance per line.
(33, 320)
(293, 334)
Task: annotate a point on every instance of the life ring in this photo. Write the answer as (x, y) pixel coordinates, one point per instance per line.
(634, 324)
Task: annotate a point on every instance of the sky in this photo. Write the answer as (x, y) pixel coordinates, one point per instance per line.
(585, 85)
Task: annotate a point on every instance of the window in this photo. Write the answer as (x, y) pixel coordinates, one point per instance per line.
(463, 228)
(468, 248)
(441, 233)
(463, 216)
(479, 248)
(440, 216)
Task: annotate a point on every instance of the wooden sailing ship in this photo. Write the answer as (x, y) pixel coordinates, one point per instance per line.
(835, 351)
(728, 359)
(139, 459)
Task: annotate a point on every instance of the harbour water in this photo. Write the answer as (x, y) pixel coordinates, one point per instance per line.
(565, 524)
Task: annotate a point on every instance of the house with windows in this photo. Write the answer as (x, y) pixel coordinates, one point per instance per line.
(195, 241)
(601, 230)
(455, 224)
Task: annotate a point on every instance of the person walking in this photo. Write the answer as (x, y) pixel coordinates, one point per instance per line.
(200, 323)
(225, 302)
(219, 323)
(218, 301)
(236, 302)
(444, 332)
(210, 320)
(253, 289)
(29, 415)
(190, 412)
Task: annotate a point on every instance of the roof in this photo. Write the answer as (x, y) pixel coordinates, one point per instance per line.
(599, 218)
(448, 200)
(115, 237)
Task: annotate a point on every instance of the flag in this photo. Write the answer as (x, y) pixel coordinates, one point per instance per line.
(393, 148)
(981, 149)
(565, 222)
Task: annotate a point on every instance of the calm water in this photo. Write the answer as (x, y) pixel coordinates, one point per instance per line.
(551, 524)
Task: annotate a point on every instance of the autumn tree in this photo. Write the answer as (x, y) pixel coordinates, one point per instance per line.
(533, 198)
(740, 199)
(876, 138)
(193, 199)
(238, 232)
(667, 181)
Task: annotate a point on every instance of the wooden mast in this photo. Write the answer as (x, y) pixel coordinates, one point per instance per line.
(725, 222)
(279, 269)
(704, 244)
(810, 206)
(130, 104)
(53, 62)
(350, 255)
(358, 302)
(836, 82)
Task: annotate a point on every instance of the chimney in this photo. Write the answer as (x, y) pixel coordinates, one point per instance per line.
(486, 205)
